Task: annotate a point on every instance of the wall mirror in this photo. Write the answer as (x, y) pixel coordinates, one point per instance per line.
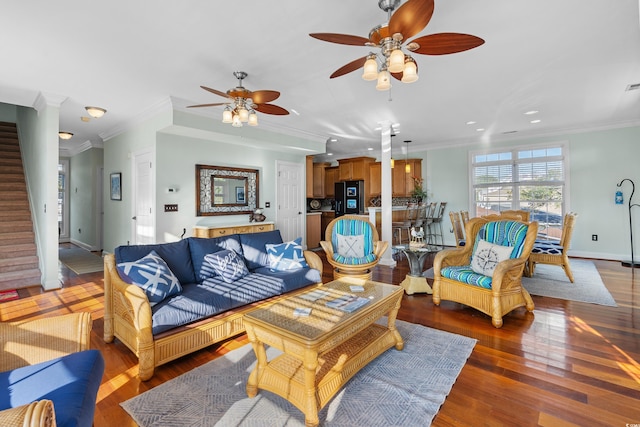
(225, 190)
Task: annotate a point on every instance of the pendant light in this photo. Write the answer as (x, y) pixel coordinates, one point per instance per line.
(407, 166)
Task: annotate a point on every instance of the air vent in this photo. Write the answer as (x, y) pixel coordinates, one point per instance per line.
(509, 131)
(634, 86)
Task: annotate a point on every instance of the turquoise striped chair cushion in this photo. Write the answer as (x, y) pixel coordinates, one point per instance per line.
(504, 233)
(464, 274)
(353, 227)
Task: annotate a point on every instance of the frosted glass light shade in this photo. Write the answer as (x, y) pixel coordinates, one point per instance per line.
(237, 123)
(396, 61)
(384, 80)
(253, 118)
(244, 114)
(410, 72)
(227, 116)
(393, 163)
(370, 69)
(95, 112)
(65, 135)
(407, 168)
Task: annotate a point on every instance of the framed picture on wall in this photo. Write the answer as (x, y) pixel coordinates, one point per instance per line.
(116, 186)
(240, 196)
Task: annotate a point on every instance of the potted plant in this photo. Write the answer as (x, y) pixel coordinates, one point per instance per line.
(418, 193)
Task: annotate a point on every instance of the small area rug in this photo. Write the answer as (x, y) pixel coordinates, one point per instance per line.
(550, 281)
(80, 261)
(9, 295)
(398, 388)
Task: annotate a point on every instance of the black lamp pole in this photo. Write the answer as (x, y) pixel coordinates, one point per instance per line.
(631, 264)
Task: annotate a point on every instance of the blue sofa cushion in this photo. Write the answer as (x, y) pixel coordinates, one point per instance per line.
(291, 280)
(175, 254)
(286, 256)
(465, 274)
(200, 247)
(228, 264)
(254, 247)
(213, 296)
(153, 275)
(71, 382)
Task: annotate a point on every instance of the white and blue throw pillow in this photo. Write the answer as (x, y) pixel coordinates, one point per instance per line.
(286, 256)
(487, 256)
(228, 264)
(152, 274)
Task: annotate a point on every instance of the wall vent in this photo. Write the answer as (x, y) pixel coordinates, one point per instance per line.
(634, 86)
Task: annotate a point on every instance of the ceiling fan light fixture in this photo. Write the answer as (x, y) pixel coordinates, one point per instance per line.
(244, 114)
(65, 135)
(227, 115)
(410, 72)
(384, 80)
(370, 69)
(236, 123)
(95, 112)
(253, 118)
(396, 61)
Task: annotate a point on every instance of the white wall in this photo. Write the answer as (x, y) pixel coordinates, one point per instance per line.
(598, 161)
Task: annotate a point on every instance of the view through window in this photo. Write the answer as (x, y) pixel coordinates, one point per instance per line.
(522, 178)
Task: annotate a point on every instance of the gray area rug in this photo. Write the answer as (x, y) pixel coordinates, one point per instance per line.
(80, 261)
(399, 388)
(550, 281)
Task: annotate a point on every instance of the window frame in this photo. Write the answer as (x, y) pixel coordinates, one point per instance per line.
(514, 161)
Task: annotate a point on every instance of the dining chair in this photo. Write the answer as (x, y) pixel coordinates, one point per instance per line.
(554, 253)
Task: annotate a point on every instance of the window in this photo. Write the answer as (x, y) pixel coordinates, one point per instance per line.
(527, 178)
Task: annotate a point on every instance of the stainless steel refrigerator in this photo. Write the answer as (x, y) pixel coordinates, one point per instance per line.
(349, 197)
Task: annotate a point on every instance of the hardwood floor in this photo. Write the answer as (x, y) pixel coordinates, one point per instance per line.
(566, 364)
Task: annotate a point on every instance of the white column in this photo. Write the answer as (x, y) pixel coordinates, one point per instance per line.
(386, 215)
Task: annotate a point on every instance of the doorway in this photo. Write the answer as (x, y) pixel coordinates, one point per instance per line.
(143, 198)
(290, 196)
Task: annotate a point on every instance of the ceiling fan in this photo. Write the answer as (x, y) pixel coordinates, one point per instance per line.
(407, 21)
(242, 104)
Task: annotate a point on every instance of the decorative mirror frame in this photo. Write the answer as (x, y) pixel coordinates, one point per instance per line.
(204, 182)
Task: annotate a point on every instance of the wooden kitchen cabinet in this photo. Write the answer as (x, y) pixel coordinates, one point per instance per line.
(319, 180)
(330, 178)
(402, 182)
(309, 176)
(375, 179)
(313, 230)
(327, 217)
(354, 169)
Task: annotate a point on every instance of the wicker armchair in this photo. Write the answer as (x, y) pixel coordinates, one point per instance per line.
(497, 295)
(344, 265)
(554, 253)
(30, 342)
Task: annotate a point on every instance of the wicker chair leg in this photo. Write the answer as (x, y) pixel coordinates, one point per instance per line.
(567, 270)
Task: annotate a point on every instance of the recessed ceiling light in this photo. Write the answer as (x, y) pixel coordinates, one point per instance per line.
(369, 149)
(295, 112)
(530, 112)
(65, 135)
(536, 121)
(329, 154)
(480, 129)
(471, 122)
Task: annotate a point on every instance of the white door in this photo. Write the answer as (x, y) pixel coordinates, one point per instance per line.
(143, 199)
(290, 193)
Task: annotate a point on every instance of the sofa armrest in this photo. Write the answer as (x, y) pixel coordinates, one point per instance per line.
(36, 414)
(128, 304)
(313, 260)
(33, 341)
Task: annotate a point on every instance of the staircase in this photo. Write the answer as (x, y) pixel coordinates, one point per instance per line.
(18, 255)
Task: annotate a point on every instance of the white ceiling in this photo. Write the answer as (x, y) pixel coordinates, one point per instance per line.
(570, 60)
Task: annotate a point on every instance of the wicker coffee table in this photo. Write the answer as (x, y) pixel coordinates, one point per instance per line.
(323, 350)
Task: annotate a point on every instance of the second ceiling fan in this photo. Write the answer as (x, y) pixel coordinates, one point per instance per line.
(407, 21)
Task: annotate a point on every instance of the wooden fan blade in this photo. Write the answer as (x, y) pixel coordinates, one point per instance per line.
(351, 66)
(207, 105)
(446, 43)
(217, 92)
(271, 109)
(411, 18)
(341, 39)
(263, 96)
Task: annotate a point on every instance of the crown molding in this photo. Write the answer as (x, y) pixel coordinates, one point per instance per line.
(44, 99)
(162, 106)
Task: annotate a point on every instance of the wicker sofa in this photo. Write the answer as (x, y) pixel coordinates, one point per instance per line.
(208, 309)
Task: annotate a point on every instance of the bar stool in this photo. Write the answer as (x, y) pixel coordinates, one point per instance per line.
(436, 230)
(405, 224)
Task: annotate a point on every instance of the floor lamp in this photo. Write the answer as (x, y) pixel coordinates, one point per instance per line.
(631, 263)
